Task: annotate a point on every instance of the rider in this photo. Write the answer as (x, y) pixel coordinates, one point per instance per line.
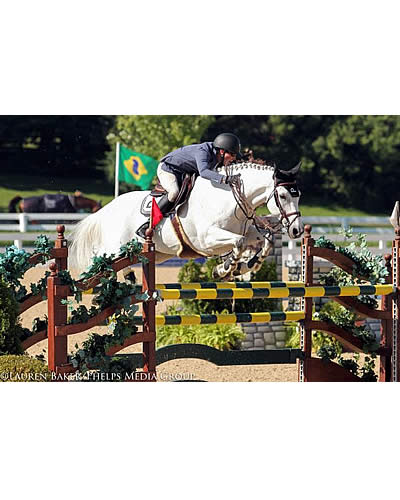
(200, 159)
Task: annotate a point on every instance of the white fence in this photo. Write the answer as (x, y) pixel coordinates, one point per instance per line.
(27, 227)
(377, 230)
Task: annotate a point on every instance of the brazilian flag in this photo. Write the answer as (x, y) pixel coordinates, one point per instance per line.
(136, 168)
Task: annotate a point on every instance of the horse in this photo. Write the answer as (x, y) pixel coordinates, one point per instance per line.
(53, 203)
(214, 220)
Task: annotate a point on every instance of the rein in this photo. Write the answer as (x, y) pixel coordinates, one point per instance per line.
(264, 227)
(284, 215)
(261, 225)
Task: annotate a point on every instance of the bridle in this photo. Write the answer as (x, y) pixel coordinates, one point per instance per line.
(264, 227)
(284, 216)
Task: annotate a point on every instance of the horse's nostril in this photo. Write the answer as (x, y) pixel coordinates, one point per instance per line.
(295, 232)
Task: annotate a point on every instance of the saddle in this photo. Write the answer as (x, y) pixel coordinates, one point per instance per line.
(186, 184)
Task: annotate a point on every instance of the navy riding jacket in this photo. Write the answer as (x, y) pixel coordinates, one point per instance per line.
(196, 158)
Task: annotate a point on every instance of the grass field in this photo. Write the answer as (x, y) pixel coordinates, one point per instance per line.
(100, 189)
(25, 186)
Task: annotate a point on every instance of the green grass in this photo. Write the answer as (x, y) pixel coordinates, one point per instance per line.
(25, 186)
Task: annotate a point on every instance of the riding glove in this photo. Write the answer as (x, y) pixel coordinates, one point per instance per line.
(232, 179)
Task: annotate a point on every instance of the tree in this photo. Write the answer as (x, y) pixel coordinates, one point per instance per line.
(351, 160)
(56, 145)
(156, 135)
(359, 159)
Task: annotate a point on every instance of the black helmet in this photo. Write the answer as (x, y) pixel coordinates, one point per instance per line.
(229, 142)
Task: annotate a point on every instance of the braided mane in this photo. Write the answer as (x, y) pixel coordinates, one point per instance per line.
(240, 165)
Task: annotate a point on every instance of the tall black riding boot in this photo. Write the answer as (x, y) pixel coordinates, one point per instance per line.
(165, 206)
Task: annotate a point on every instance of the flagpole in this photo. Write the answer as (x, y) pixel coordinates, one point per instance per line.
(116, 171)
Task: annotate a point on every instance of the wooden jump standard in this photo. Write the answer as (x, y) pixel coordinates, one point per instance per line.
(314, 369)
(58, 329)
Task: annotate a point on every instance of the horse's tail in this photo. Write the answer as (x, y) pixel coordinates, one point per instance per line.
(12, 206)
(83, 239)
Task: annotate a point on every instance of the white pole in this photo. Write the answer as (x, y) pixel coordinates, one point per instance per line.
(290, 248)
(116, 171)
(23, 228)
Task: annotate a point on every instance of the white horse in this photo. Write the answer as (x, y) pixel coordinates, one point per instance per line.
(211, 220)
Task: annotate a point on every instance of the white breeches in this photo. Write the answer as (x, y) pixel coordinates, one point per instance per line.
(168, 182)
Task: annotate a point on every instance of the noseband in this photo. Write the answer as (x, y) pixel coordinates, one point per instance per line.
(284, 216)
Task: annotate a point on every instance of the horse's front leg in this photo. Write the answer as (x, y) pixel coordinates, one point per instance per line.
(221, 241)
(229, 266)
(255, 262)
(236, 264)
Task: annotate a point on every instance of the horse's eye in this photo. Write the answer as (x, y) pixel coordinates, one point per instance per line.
(282, 197)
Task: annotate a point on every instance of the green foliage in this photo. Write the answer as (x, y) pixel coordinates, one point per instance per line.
(359, 157)
(53, 144)
(113, 292)
(82, 314)
(15, 368)
(346, 160)
(13, 265)
(66, 279)
(15, 262)
(40, 288)
(323, 242)
(219, 336)
(39, 324)
(332, 312)
(319, 339)
(10, 329)
(92, 354)
(371, 267)
(131, 249)
(366, 372)
(43, 246)
(349, 364)
(100, 264)
(192, 272)
(292, 335)
(327, 352)
(156, 135)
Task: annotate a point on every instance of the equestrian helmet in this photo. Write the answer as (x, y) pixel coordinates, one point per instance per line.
(229, 142)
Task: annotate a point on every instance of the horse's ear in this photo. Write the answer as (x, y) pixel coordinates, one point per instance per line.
(294, 170)
(284, 173)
